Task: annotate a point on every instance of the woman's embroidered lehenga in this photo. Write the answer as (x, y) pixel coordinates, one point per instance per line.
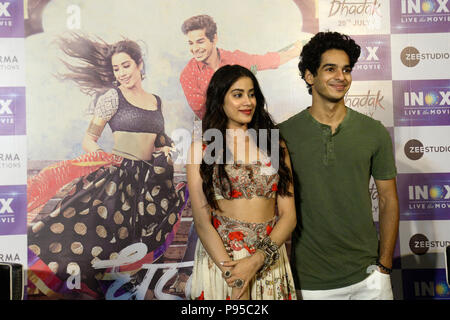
(112, 203)
(239, 239)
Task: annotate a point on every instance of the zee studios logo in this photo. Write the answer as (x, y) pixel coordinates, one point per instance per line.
(415, 150)
(419, 244)
(411, 57)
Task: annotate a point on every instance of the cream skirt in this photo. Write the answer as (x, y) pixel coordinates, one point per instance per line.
(239, 239)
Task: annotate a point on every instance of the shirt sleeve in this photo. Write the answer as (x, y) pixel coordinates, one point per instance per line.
(107, 105)
(383, 162)
(256, 62)
(195, 98)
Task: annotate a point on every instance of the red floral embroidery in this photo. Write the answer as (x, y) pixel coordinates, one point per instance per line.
(274, 187)
(236, 245)
(203, 147)
(250, 250)
(228, 298)
(216, 222)
(268, 164)
(201, 297)
(237, 235)
(268, 229)
(235, 194)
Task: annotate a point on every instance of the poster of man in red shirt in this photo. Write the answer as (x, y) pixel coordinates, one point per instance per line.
(201, 33)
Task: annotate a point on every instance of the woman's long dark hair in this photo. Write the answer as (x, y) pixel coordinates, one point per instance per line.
(215, 118)
(95, 75)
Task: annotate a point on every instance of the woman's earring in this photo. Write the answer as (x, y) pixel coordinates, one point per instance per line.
(142, 75)
(115, 83)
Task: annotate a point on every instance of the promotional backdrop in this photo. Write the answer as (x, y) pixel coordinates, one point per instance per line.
(401, 79)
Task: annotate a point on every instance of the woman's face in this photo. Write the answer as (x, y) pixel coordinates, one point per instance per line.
(240, 103)
(125, 69)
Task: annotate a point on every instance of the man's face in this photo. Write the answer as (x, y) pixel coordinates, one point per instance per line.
(200, 46)
(333, 78)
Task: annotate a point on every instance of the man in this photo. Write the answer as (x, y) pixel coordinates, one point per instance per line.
(201, 32)
(334, 151)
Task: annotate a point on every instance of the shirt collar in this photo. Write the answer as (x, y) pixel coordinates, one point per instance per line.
(343, 123)
(202, 66)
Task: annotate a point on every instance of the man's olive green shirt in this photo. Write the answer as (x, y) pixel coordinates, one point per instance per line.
(335, 240)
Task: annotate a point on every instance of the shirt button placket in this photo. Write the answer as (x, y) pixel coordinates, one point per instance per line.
(326, 135)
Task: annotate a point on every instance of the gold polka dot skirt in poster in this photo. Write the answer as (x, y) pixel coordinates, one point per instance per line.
(105, 212)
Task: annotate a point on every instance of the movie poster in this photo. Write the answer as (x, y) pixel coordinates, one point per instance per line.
(85, 238)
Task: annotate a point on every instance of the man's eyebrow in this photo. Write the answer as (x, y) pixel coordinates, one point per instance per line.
(334, 65)
(328, 65)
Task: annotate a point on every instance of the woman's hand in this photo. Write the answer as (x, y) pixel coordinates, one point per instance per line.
(244, 269)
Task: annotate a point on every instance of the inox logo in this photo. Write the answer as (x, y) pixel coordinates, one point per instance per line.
(4, 9)
(371, 54)
(5, 107)
(430, 289)
(429, 98)
(418, 6)
(5, 205)
(426, 193)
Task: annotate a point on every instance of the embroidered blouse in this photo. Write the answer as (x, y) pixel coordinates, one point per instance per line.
(246, 181)
(123, 116)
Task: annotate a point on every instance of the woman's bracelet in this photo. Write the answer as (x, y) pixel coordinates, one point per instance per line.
(99, 149)
(270, 251)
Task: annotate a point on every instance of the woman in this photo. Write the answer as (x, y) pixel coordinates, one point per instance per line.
(121, 198)
(241, 254)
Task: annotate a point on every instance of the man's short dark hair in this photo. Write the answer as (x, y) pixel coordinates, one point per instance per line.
(311, 55)
(200, 22)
